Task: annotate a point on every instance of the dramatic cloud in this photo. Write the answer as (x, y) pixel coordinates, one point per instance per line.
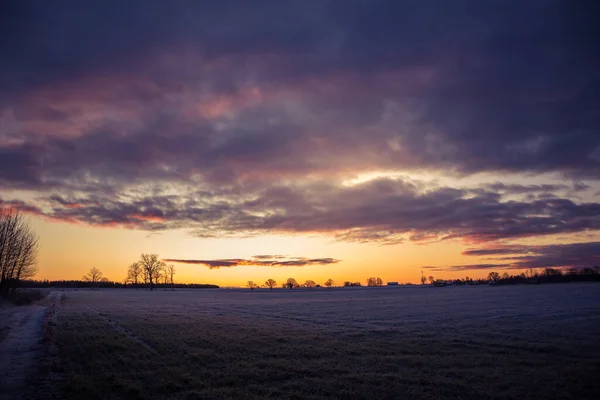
(259, 261)
(381, 210)
(146, 90)
(233, 118)
(573, 255)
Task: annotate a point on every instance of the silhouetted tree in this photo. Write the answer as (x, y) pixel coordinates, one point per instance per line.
(431, 280)
(18, 249)
(310, 284)
(270, 283)
(551, 272)
(152, 266)
(531, 273)
(134, 271)
(251, 285)
(291, 283)
(165, 277)
(329, 283)
(505, 276)
(158, 274)
(94, 276)
(145, 277)
(171, 273)
(494, 277)
(374, 282)
(423, 280)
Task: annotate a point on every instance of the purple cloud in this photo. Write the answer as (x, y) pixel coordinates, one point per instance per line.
(261, 261)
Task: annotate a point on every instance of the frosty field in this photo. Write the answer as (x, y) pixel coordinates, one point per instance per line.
(420, 342)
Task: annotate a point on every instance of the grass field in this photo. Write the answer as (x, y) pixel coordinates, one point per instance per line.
(455, 342)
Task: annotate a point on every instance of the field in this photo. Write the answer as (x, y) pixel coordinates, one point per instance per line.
(455, 342)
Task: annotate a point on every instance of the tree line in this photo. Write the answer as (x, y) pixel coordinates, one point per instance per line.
(291, 283)
(150, 271)
(530, 275)
(104, 284)
(18, 250)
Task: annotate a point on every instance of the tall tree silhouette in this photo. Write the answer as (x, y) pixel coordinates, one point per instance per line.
(152, 266)
(18, 249)
(170, 271)
(134, 272)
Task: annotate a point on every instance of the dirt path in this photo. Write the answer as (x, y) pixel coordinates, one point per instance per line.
(22, 346)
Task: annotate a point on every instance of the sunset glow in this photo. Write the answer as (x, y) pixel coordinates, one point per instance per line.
(391, 147)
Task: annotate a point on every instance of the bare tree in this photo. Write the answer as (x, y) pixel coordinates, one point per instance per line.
(329, 283)
(171, 272)
(270, 283)
(93, 276)
(134, 272)
(18, 249)
(152, 266)
(252, 285)
(531, 273)
(374, 282)
(551, 272)
(291, 283)
(158, 274)
(494, 276)
(431, 280)
(423, 280)
(310, 284)
(165, 276)
(145, 277)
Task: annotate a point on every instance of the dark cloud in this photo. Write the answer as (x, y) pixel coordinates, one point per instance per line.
(468, 267)
(523, 189)
(494, 86)
(385, 211)
(262, 261)
(235, 119)
(572, 255)
(495, 251)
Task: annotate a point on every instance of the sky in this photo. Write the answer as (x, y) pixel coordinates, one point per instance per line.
(310, 139)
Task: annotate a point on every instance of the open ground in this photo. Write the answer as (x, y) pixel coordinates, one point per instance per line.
(455, 342)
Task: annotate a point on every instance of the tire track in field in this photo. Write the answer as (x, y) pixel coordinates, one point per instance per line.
(121, 329)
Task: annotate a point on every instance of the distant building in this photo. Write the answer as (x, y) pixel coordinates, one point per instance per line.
(392, 283)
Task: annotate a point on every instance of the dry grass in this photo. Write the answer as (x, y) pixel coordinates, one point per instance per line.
(25, 297)
(121, 344)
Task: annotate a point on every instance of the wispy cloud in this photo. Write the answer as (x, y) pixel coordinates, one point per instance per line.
(572, 255)
(259, 261)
